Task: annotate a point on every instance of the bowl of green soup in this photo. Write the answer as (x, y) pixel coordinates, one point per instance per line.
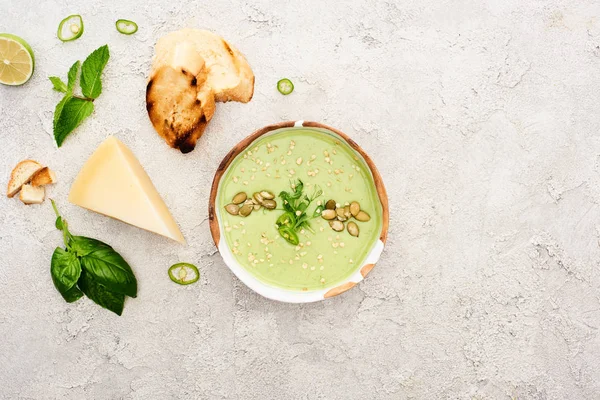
(298, 212)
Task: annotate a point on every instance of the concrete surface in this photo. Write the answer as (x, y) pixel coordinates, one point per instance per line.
(483, 119)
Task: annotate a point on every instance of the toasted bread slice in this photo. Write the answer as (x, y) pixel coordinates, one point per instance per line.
(229, 74)
(22, 174)
(179, 107)
(45, 176)
(32, 194)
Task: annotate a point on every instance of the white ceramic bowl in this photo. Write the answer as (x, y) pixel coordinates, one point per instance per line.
(277, 293)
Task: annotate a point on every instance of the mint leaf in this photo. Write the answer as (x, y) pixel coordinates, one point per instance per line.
(65, 270)
(73, 76)
(58, 110)
(100, 294)
(91, 70)
(73, 112)
(58, 84)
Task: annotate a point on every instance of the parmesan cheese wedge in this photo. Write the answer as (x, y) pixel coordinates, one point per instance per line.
(113, 182)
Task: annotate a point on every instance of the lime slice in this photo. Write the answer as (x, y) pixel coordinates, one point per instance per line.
(16, 60)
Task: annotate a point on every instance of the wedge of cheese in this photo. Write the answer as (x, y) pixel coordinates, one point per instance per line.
(113, 182)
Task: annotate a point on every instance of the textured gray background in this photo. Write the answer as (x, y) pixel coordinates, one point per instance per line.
(483, 117)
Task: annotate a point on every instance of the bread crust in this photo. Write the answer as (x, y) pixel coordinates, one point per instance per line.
(21, 174)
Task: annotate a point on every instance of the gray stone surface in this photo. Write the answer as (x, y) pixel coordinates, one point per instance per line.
(483, 119)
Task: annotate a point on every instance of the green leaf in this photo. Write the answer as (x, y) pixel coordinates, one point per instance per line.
(58, 110)
(105, 265)
(100, 294)
(91, 70)
(73, 76)
(65, 270)
(73, 112)
(72, 295)
(82, 246)
(58, 84)
(59, 223)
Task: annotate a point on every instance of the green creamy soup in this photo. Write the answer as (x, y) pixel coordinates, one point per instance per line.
(273, 163)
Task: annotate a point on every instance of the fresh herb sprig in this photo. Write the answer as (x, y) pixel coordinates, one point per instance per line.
(73, 109)
(91, 267)
(296, 217)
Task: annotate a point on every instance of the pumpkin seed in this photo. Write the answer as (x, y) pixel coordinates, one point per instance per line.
(340, 214)
(267, 195)
(362, 216)
(330, 205)
(328, 214)
(239, 198)
(337, 226)
(269, 204)
(352, 228)
(347, 213)
(246, 210)
(257, 196)
(354, 208)
(232, 209)
(256, 207)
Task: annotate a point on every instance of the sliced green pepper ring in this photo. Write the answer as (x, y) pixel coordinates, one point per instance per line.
(286, 219)
(285, 86)
(289, 234)
(179, 273)
(70, 28)
(126, 26)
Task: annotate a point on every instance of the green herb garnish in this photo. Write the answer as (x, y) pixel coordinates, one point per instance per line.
(295, 216)
(179, 273)
(126, 27)
(91, 267)
(73, 109)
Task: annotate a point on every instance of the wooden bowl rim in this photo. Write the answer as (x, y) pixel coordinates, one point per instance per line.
(243, 145)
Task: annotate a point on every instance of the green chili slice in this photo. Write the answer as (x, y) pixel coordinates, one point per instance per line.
(285, 86)
(126, 27)
(286, 219)
(70, 28)
(179, 273)
(289, 234)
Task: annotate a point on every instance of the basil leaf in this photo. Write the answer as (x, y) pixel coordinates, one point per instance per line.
(72, 294)
(91, 70)
(59, 223)
(74, 110)
(65, 270)
(100, 294)
(82, 246)
(58, 84)
(105, 265)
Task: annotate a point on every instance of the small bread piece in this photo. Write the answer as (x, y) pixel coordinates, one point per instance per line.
(44, 177)
(32, 194)
(229, 74)
(22, 174)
